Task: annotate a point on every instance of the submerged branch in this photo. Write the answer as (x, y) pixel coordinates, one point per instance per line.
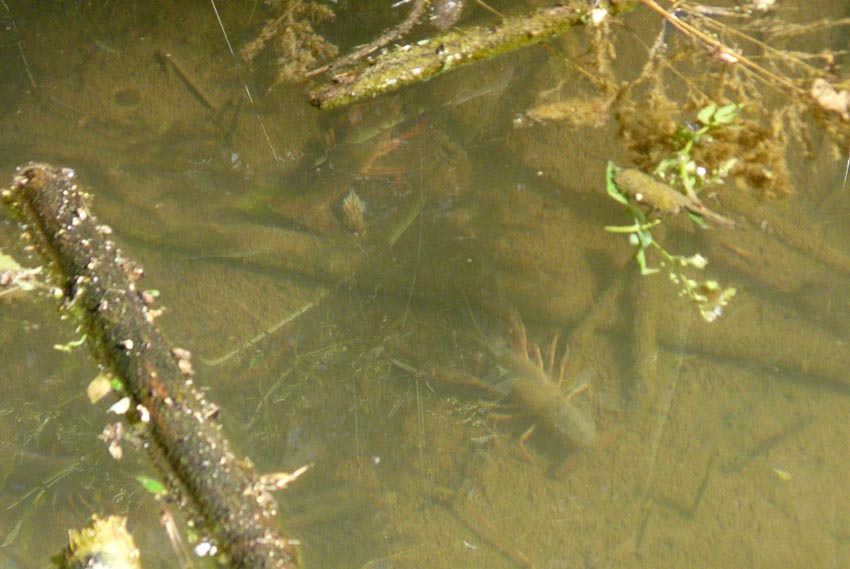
(98, 284)
(390, 36)
(424, 60)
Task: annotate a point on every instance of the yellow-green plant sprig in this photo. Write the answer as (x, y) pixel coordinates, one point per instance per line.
(708, 295)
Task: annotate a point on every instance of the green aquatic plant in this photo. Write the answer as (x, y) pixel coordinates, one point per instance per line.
(674, 187)
(291, 31)
(69, 346)
(708, 295)
(679, 168)
(152, 485)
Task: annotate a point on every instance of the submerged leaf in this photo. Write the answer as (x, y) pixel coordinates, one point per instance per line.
(152, 485)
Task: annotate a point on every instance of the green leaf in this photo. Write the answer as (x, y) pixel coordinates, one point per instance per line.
(706, 115)
(640, 257)
(7, 263)
(610, 171)
(622, 228)
(668, 164)
(727, 114)
(697, 219)
(152, 485)
(645, 235)
(70, 345)
(724, 169)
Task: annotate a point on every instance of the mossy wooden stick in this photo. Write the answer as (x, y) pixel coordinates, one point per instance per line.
(99, 287)
(426, 59)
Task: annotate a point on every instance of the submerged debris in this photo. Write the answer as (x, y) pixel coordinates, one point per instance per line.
(645, 189)
(105, 544)
(296, 43)
(590, 112)
(414, 63)
(180, 428)
(353, 210)
(831, 99)
(446, 13)
(16, 280)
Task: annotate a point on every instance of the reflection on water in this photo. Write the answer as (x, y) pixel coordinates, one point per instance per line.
(370, 356)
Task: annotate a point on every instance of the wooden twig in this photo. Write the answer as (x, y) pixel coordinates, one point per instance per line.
(390, 36)
(426, 59)
(99, 287)
(167, 60)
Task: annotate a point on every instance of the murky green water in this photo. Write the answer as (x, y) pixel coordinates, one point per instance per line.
(336, 350)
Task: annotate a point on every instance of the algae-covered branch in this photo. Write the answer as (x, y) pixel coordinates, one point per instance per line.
(409, 64)
(99, 287)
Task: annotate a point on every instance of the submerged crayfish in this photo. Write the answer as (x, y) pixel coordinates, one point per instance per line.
(525, 380)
